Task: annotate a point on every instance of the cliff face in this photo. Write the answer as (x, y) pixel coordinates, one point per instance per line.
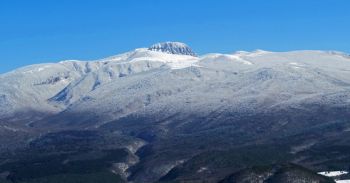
(173, 48)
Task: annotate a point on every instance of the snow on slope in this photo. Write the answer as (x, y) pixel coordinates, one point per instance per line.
(24, 92)
(239, 84)
(140, 60)
(333, 173)
(151, 82)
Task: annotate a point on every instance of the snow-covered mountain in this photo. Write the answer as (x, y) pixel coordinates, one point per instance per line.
(169, 83)
(24, 92)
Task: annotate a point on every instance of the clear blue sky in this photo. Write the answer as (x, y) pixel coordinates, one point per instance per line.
(41, 31)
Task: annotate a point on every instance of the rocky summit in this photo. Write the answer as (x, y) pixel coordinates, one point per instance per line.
(173, 48)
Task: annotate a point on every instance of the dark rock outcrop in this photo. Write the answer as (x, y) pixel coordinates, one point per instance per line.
(173, 48)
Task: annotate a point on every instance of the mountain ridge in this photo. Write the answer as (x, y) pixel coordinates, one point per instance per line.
(187, 109)
(54, 87)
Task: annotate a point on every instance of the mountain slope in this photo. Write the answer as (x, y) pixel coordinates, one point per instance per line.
(152, 81)
(233, 84)
(186, 105)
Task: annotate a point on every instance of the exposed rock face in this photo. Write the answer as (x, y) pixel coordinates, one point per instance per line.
(173, 48)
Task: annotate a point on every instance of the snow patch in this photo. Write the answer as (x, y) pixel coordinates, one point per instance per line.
(174, 61)
(202, 169)
(342, 181)
(333, 173)
(36, 70)
(238, 58)
(240, 53)
(257, 53)
(233, 57)
(65, 61)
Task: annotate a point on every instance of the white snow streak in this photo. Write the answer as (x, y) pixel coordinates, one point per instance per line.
(342, 181)
(333, 173)
(35, 70)
(174, 61)
(238, 58)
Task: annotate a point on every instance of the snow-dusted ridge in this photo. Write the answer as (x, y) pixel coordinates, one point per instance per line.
(175, 61)
(147, 80)
(257, 52)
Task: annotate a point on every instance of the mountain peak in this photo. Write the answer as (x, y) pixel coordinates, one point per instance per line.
(173, 48)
